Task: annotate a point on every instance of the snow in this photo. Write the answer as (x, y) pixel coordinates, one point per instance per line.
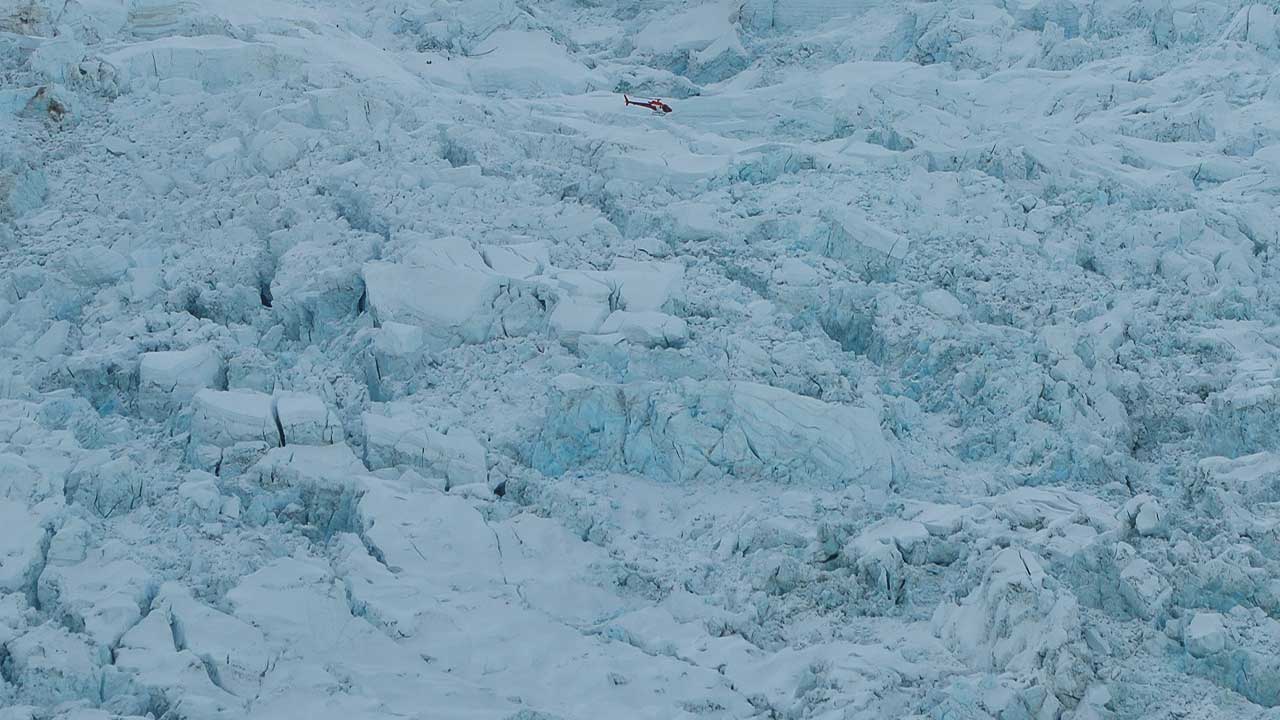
(378, 361)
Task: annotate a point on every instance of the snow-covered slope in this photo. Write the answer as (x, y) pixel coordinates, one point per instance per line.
(374, 360)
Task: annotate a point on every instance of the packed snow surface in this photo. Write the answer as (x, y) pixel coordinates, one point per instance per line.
(374, 360)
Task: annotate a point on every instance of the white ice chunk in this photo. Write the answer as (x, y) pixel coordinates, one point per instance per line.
(1205, 634)
(526, 62)
(214, 61)
(222, 418)
(521, 261)
(847, 234)
(25, 480)
(20, 552)
(648, 328)
(70, 544)
(452, 305)
(909, 537)
(719, 60)
(172, 377)
(158, 662)
(397, 339)
(226, 148)
(645, 285)
(942, 303)
(275, 153)
(401, 441)
(1142, 587)
(95, 265)
(103, 597)
(1018, 621)
(1150, 520)
(317, 288)
(687, 29)
(313, 485)
(940, 520)
(51, 665)
(794, 15)
(297, 464)
(306, 420)
(577, 316)
(233, 648)
(796, 273)
(116, 145)
(1144, 514)
(684, 430)
(106, 486)
(53, 342)
(198, 498)
(448, 253)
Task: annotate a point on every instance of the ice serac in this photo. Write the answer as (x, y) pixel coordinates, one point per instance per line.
(231, 649)
(170, 378)
(647, 328)
(22, 183)
(1205, 635)
(158, 669)
(211, 60)
(1019, 621)
(687, 430)
(199, 499)
(306, 420)
(1233, 651)
(1244, 417)
(20, 547)
(54, 665)
(790, 15)
(103, 596)
(314, 487)
(317, 286)
(106, 486)
(849, 235)
(225, 417)
(453, 305)
(528, 62)
(520, 260)
(587, 298)
(230, 429)
(403, 440)
(95, 265)
(299, 604)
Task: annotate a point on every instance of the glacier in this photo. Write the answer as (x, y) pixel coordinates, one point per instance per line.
(376, 361)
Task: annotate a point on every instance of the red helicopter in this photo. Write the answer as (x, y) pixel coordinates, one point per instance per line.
(655, 105)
